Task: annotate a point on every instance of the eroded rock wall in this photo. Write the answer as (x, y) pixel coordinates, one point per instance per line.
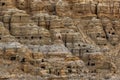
(59, 39)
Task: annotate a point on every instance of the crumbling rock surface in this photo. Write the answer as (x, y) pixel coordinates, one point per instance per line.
(59, 40)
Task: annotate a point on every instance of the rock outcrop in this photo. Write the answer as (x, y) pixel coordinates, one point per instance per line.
(59, 39)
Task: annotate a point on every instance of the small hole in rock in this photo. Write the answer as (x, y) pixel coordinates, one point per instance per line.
(3, 4)
(43, 67)
(13, 58)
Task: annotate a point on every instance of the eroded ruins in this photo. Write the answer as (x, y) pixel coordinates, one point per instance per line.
(59, 40)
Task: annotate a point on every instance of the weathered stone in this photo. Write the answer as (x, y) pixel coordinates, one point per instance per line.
(59, 39)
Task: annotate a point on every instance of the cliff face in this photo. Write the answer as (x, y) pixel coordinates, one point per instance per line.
(59, 39)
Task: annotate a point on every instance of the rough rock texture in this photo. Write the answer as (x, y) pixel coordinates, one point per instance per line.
(59, 40)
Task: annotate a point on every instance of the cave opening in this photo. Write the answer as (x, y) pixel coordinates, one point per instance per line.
(3, 4)
(23, 60)
(13, 58)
